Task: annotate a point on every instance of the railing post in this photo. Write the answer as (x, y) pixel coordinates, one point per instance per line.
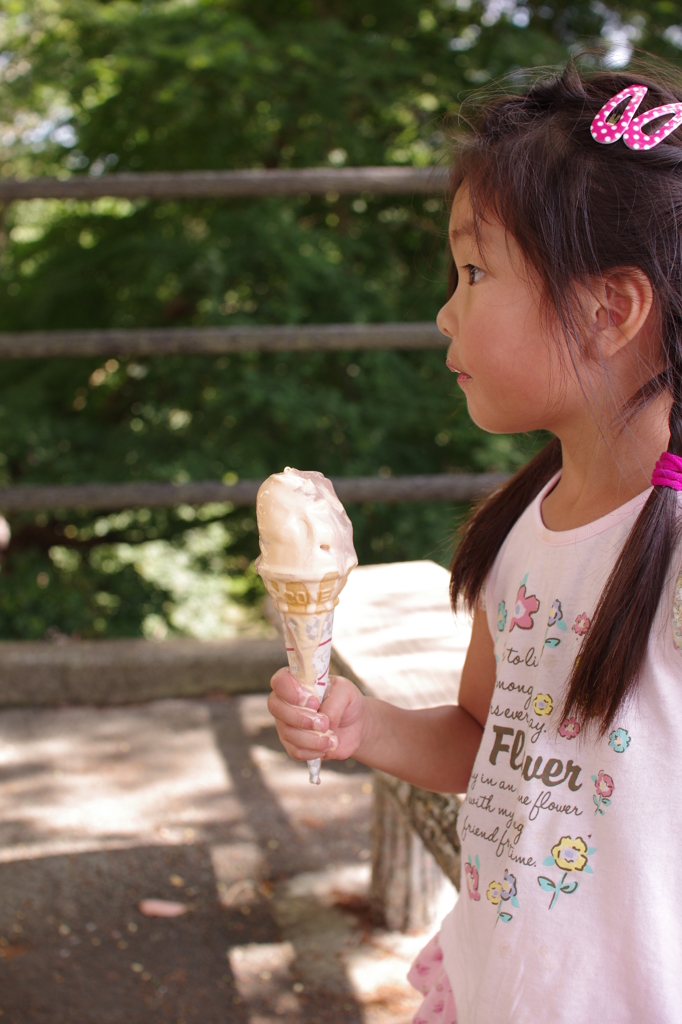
(409, 888)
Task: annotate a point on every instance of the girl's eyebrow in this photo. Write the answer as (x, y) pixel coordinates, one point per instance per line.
(467, 230)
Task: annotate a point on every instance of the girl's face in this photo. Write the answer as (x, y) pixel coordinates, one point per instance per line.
(506, 363)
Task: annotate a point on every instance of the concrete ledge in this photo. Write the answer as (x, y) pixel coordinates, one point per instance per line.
(40, 673)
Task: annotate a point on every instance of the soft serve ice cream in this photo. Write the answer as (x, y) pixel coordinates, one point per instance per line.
(306, 542)
(304, 532)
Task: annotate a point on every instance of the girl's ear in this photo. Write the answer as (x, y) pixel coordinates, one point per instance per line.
(620, 305)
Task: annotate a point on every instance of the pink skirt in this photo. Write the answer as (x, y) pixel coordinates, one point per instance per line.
(428, 976)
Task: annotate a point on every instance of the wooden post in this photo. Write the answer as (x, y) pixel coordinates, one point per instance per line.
(415, 855)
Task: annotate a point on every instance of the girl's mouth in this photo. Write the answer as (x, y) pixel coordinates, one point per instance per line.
(462, 377)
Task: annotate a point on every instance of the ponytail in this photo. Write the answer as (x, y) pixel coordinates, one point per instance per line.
(613, 651)
(484, 533)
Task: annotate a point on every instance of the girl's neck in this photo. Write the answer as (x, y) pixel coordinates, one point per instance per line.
(602, 471)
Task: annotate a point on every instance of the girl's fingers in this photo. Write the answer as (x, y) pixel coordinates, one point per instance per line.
(304, 728)
(299, 718)
(288, 688)
(304, 745)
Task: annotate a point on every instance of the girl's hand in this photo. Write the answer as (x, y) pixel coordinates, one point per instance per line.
(307, 730)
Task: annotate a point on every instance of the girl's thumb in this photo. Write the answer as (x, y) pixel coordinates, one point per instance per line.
(337, 698)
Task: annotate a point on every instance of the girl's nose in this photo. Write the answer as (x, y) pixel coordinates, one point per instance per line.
(443, 321)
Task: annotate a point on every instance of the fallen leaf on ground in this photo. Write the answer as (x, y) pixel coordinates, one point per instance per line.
(10, 952)
(162, 908)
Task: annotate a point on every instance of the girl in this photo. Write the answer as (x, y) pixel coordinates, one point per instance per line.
(565, 314)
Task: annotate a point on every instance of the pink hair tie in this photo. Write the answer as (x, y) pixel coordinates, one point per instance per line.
(668, 472)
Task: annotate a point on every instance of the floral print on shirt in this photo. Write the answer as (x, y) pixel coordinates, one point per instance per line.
(569, 728)
(525, 607)
(581, 624)
(501, 893)
(542, 704)
(471, 869)
(619, 740)
(604, 786)
(569, 855)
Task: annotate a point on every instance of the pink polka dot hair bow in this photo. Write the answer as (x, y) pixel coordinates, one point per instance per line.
(629, 128)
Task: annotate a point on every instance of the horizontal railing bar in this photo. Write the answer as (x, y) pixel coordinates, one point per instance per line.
(231, 184)
(440, 487)
(213, 340)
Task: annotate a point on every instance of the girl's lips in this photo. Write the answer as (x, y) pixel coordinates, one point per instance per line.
(462, 377)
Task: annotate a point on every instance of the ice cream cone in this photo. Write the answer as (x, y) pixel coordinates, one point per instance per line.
(307, 611)
(306, 542)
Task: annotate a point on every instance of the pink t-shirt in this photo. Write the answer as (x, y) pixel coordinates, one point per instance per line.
(571, 844)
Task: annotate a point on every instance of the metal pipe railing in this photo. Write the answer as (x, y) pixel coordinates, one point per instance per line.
(232, 184)
(148, 341)
(214, 340)
(110, 497)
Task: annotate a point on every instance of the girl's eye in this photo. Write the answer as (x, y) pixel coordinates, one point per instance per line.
(475, 273)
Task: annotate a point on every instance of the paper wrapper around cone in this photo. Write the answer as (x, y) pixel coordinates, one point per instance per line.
(307, 610)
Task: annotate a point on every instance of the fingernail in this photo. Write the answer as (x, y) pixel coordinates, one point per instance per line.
(321, 723)
(333, 741)
(312, 703)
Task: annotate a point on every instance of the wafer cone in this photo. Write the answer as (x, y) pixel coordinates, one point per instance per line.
(307, 611)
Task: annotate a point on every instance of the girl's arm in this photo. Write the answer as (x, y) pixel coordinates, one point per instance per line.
(434, 748)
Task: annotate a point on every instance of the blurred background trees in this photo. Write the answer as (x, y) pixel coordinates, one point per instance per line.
(94, 87)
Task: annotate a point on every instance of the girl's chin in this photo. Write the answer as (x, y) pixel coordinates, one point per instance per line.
(492, 422)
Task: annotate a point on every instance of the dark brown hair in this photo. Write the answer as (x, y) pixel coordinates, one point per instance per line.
(578, 209)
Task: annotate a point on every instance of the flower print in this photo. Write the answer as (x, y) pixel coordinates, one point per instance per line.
(557, 614)
(422, 969)
(501, 615)
(501, 894)
(508, 886)
(569, 728)
(581, 624)
(604, 786)
(556, 618)
(471, 874)
(494, 893)
(542, 704)
(438, 1007)
(525, 607)
(570, 854)
(619, 740)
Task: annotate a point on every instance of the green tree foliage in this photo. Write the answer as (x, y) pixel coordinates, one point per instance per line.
(91, 87)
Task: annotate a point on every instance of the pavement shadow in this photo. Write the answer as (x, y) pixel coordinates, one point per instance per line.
(315, 932)
(76, 950)
(184, 800)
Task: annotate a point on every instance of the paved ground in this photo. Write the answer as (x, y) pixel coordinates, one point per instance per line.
(193, 801)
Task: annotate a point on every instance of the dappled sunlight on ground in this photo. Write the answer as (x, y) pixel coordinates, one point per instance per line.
(192, 801)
